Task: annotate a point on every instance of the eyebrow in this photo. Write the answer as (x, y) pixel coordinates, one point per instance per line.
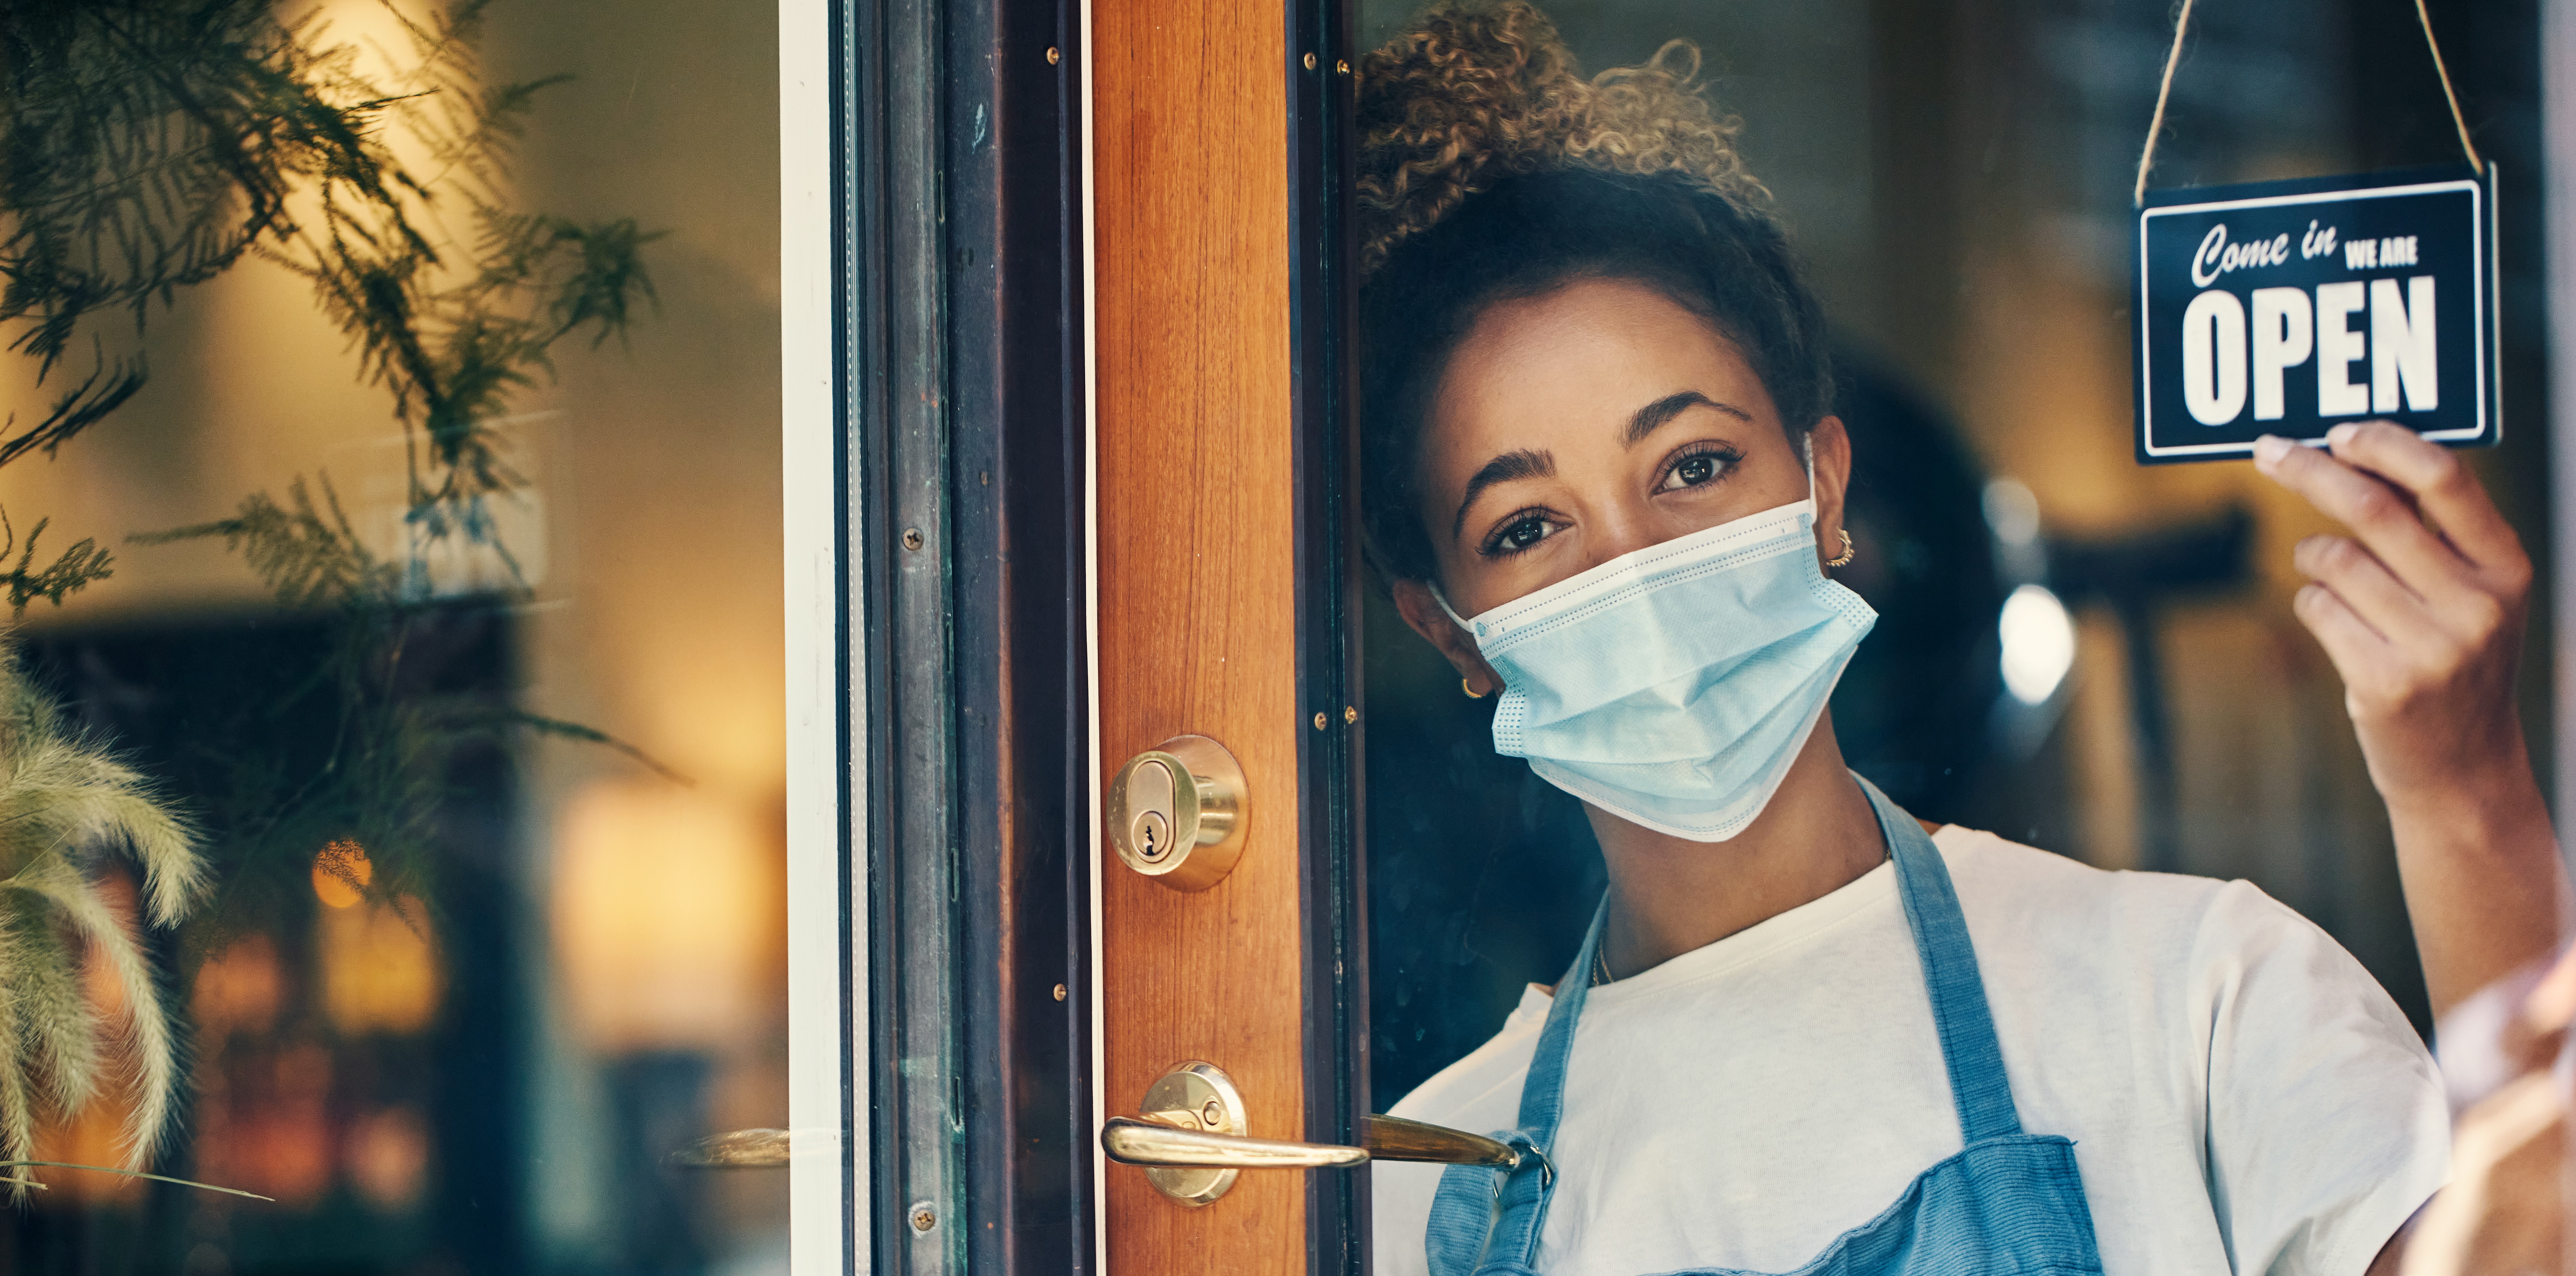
(1652, 417)
(1503, 469)
(1526, 463)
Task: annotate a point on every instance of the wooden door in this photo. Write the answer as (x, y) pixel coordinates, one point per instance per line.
(1217, 573)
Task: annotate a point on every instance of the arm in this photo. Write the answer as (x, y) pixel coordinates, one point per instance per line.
(2422, 609)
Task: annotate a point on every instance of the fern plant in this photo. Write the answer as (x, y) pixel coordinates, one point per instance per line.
(381, 778)
(65, 805)
(150, 146)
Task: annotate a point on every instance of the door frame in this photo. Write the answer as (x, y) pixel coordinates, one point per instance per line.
(1323, 320)
(962, 850)
(824, 1231)
(954, 227)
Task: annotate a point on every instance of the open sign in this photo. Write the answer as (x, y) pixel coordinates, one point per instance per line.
(2288, 307)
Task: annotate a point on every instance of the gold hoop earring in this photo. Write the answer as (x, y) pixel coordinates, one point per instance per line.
(1470, 689)
(1848, 553)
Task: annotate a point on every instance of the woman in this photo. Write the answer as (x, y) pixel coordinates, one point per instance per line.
(1805, 1031)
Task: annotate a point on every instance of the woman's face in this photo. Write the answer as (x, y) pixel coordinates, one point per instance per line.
(1586, 423)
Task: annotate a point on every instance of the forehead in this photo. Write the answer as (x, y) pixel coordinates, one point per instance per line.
(1587, 352)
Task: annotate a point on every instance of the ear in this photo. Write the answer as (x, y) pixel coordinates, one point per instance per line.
(1414, 601)
(1830, 445)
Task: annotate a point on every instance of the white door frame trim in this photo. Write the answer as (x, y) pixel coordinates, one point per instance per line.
(826, 917)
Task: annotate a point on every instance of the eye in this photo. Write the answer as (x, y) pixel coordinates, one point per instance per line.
(1517, 533)
(1698, 467)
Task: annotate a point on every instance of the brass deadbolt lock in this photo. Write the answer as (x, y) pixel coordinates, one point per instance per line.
(1178, 812)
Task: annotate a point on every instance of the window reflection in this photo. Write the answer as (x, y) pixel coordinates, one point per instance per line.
(497, 919)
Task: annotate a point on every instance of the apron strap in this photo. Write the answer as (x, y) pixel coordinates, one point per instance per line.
(1484, 1215)
(1969, 1047)
(1487, 1219)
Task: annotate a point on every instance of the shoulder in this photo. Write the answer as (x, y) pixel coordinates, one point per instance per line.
(1482, 1090)
(2193, 946)
(1480, 1093)
(2004, 884)
(2207, 1035)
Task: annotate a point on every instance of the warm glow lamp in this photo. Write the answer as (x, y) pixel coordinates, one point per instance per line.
(664, 900)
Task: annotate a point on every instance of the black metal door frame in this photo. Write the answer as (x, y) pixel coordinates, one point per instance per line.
(962, 421)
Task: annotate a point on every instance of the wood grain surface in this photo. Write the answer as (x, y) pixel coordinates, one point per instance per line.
(1197, 584)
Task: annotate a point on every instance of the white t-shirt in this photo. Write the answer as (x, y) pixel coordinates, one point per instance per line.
(2242, 1095)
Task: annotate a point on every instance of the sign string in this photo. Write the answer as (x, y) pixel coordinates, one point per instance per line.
(2173, 58)
(2476, 165)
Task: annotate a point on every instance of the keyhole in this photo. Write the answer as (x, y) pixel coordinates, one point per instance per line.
(1151, 798)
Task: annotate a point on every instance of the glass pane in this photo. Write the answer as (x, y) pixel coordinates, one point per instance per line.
(442, 608)
(2072, 651)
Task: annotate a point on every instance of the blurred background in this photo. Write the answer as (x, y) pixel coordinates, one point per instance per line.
(484, 1066)
(2074, 651)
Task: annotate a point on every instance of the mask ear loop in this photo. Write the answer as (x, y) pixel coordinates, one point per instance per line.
(1446, 609)
(1461, 623)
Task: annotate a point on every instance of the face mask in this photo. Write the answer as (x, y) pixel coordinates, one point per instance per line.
(1673, 686)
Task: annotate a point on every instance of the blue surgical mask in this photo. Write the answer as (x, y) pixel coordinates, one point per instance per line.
(1673, 686)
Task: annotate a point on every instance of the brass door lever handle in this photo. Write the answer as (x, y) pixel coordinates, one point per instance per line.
(1159, 1139)
(1191, 1142)
(1396, 1139)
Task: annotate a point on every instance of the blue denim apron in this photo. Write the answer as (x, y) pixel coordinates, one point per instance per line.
(2007, 1202)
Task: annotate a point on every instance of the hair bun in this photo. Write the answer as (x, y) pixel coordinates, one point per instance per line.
(1475, 93)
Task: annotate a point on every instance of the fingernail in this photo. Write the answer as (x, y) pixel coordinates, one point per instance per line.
(2341, 434)
(2268, 451)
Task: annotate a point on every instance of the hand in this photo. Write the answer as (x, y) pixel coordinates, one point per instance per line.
(2421, 609)
(2424, 622)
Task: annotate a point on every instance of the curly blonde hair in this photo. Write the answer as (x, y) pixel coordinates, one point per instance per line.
(1476, 92)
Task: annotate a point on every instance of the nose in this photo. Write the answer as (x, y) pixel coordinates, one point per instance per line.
(1620, 530)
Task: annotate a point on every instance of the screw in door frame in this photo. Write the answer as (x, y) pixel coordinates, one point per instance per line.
(912, 538)
(923, 1216)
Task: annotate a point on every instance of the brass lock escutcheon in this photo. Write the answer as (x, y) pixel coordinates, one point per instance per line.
(1197, 1098)
(1178, 812)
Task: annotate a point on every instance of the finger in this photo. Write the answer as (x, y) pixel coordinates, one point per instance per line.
(2363, 583)
(2552, 1005)
(2379, 514)
(2442, 485)
(2359, 652)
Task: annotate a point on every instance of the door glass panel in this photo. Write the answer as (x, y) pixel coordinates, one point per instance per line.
(441, 607)
(2075, 652)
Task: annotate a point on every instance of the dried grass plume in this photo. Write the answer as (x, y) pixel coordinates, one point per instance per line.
(65, 806)
(1476, 92)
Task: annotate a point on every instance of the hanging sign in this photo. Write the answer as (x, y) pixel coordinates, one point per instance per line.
(2290, 307)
